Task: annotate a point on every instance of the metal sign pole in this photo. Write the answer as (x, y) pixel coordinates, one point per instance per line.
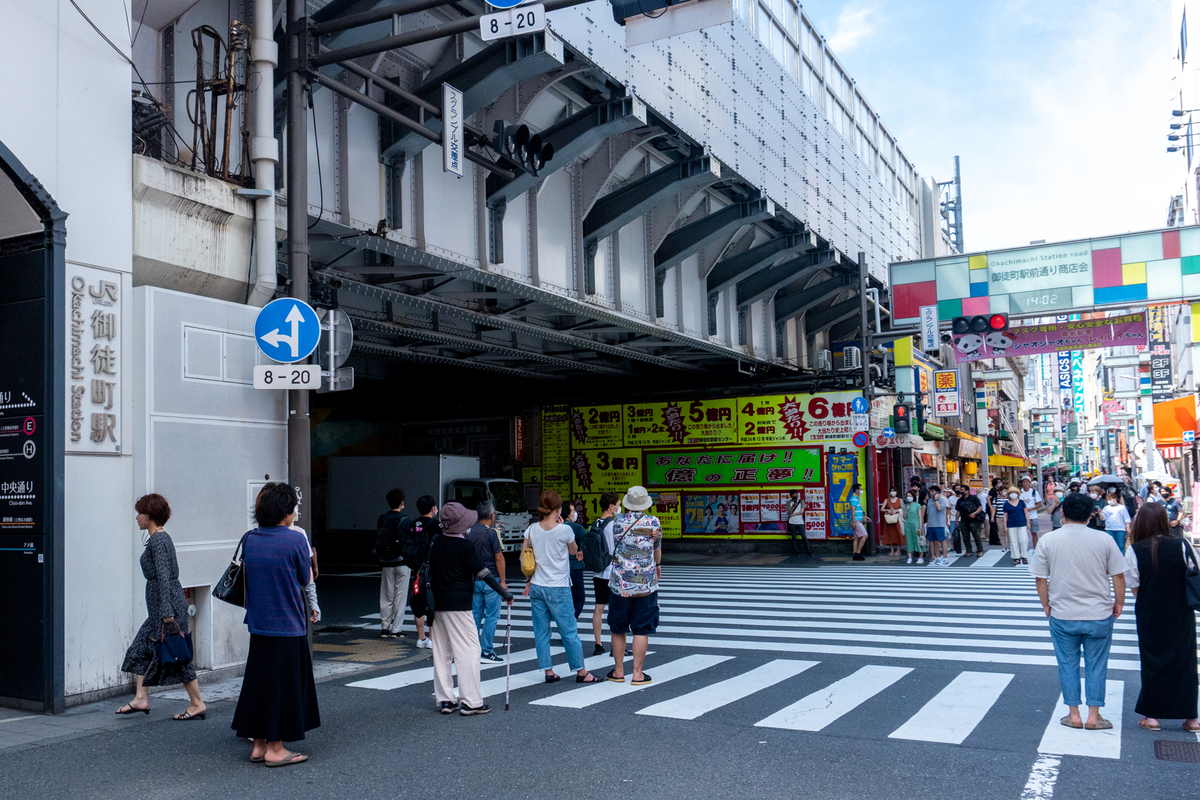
(869, 512)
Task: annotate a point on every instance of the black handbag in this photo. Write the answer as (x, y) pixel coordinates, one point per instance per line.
(1191, 577)
(232, 586)
(172, 648)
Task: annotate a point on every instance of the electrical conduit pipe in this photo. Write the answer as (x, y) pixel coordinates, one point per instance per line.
(264, 151)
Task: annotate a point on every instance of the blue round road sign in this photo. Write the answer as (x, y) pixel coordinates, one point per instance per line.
(287, 330)
(505, 3)
(860, 439)
(859, 405)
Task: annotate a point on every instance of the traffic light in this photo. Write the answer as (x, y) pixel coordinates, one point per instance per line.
(971, 333)
(525, 149)
(901, 418)
(920, 409)
(624, 9)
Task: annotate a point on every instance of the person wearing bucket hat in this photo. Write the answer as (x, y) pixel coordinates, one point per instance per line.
(633, 586)
(454, 566)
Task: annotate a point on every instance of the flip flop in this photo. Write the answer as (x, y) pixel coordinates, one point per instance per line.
(132, 710)
(645, 679)
(1067, 721)
(293, 758)
(1142, 724)
(614, 679)
(185, 716)
(1190, 729)
(257, 759)
(1101, 725)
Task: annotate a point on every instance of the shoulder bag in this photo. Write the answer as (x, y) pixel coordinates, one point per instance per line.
(1191, 577)
(891, 516)
(173, 648)
(528, 561)
(232, 586)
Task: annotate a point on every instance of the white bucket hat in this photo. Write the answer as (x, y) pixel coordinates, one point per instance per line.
(637, 499)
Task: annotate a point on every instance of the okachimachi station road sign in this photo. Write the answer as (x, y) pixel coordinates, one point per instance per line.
(1052, 279)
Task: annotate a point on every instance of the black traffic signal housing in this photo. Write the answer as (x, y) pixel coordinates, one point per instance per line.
(624, 9)
(522, 148)
(969, 332)
(901, 418)
(920, 415)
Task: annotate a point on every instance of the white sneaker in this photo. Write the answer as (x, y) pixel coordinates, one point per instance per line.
(921, 560)
(910, 559)
(424, 644)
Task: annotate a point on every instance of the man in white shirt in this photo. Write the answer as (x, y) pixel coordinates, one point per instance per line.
(1034, 502)
(795, 522)
(950, 500)
(1081, 582)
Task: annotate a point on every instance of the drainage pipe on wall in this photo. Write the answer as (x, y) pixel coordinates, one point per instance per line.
(264, 150)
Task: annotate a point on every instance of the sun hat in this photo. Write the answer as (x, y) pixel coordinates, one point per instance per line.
(637, 499)
(456, 519)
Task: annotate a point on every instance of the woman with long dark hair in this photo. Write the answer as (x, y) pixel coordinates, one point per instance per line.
(278, 701)
(1166, 625)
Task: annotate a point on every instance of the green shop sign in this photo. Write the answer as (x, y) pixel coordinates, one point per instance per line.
(749, 466)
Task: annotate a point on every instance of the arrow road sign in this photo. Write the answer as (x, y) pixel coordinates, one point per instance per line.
(287, 330)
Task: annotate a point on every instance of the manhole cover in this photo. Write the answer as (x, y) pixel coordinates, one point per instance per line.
(335, 629)
(1167, 750)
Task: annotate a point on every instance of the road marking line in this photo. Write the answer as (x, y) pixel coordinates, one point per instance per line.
(590, 695)
(989, 559)
(821, 708)
(411, 677)
(956, 710)
(1042, 778)
(535, 677)
(1060, 740)
(701, 701)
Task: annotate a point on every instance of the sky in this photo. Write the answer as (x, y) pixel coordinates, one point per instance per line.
(1059, 111)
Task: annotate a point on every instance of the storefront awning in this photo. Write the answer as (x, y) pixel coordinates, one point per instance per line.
(932, 431)
(1006, 461)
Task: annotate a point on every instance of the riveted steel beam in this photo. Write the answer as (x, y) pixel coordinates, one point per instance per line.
(368, 348)
(571, 138)
(623, 205)
(797, 302)
(731, 270)
(693, 237)
(831, 316)
(764, 285)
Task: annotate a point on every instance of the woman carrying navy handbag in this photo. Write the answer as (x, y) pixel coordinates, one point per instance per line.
(157, 655)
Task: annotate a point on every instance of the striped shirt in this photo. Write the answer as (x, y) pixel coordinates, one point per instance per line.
(277, 570)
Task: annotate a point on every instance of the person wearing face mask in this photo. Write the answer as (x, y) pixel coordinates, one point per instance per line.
(913, 512)
(1017, 520)
(892, 533)
(971, 518)
(1116, 519)
(1097, 519)
(1054, 508)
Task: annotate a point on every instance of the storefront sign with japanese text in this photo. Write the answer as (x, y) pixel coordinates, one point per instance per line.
(681, 423)
(556, 450)
(94, 361)
(780, 419)
(743, 467)
(1083, 334)
(609, 470)
(843, 474)
(593, 427)
(947, 399)
(815, 524)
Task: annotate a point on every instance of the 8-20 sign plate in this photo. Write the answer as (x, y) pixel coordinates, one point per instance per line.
(513, 22)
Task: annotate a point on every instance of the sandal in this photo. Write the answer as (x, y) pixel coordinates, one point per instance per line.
(645, 679)
(1190, 729)
(257, 759)
(1101, 725)
(587, 678)
(185, 716)
(1067, 721)
(553, 678)
(292, 758)
(613, 678)
(1147, 727)
(129, 708)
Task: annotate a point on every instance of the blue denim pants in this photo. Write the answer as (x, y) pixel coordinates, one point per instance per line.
(485, 606)
(554, 603)
(1094, 638)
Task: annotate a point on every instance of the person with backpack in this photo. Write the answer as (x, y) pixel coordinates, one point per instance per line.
(570, 514)
(597, 557)
(393, 586)
(417, 542)
(485, 606)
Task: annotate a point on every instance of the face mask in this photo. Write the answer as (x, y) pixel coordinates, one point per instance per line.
(1112, 501)
(1012, 495)
(1095, 497)
(892, 493)
(1058, 494)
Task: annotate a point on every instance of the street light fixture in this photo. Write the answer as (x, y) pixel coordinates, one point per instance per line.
(995, 374)
(1129, 394)
(1127, 361)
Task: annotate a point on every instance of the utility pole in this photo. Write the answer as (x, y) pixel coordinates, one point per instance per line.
(869, 450)
(299, 447)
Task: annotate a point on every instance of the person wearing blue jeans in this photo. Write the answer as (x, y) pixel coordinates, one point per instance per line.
(485, 604)
(549, 590)
(1081, 582)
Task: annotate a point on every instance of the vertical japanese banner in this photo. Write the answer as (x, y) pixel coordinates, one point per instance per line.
(1077, 387)
(1162, 384)
(843, 474)
(556, 450)
(815, 522)
(95, 360)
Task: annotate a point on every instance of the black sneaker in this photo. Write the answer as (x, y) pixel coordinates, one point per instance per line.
(599, 651)
(492, 657)
(467, 711)
(447, 707)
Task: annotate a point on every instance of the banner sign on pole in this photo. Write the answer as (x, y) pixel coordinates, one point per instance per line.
(1086, 334)
(452, 130)
(947, 397)
(929, 328)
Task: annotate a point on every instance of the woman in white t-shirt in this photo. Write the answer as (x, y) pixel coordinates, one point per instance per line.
(549, 590)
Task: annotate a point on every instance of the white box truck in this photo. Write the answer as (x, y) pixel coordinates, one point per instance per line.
(358, 484)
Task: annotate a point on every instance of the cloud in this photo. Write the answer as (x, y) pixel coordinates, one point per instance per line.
(853, 25)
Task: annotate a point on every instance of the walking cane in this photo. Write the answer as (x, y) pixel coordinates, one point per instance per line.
(508, 656)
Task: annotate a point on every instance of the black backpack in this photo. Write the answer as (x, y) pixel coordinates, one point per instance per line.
(414, 544)
(389, 540)
(596, 557)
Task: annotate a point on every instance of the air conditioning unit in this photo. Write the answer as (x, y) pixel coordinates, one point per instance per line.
(851, 358)
(824, 361)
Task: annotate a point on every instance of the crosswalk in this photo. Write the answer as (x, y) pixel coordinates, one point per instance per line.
(737, 641)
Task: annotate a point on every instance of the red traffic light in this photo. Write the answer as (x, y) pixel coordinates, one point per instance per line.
(998, 322)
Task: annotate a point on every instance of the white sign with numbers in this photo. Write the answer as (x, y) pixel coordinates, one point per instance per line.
(287, 376)
(513, 22)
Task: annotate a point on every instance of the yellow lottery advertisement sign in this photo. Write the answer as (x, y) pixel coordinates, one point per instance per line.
(795, 418)
(594, 427)
(694, 422)
(556, 449)
(609, 470)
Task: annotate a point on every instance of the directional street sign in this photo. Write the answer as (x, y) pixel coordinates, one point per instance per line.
(1189, 436)
(889, 433)
(287, 330)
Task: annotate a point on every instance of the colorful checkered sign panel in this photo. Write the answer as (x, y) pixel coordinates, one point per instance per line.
(1052, 278)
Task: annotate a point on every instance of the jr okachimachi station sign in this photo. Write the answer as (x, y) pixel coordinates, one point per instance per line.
(1052, 279)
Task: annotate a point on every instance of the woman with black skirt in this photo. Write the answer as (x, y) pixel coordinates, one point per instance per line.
(1166, 625)
(167, 610)
(278, 702)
